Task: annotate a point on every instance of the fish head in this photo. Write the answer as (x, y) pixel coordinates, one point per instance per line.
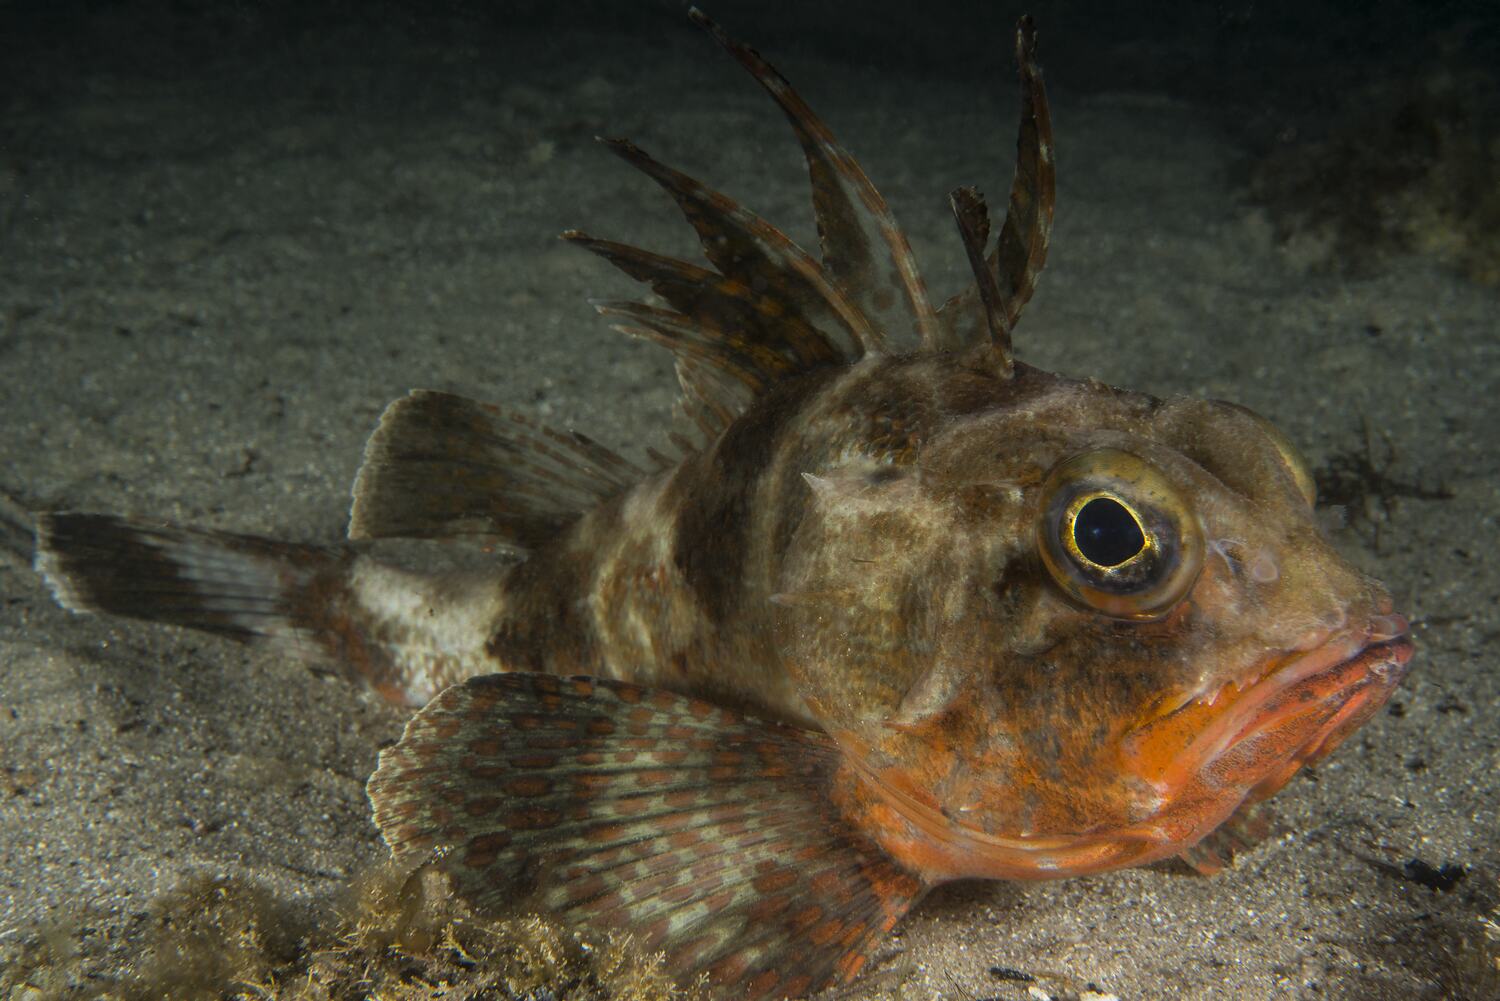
(1078, 631)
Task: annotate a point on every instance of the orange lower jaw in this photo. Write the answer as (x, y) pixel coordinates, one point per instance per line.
(1206, 760)
(936, 848)
(1199, 764)
(1386, 665)
(1297, 709)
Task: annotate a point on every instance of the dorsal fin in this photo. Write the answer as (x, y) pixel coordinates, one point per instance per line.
(727, 309)
(863, 247)
(749, 363)
(974, 228)
(717, 381)
(711, 398)
(440, 465)
(731, 341)
(751, 251)
(770, 311)
(1018, 258)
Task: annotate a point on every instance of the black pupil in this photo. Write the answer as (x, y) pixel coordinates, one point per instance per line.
(1106, 533)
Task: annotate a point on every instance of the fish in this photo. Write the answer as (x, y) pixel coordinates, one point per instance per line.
(895, 609)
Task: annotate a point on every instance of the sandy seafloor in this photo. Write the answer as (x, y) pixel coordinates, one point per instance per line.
(213, 278)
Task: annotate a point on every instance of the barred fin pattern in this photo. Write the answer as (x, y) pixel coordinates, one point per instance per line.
(749, 250)
(734, 330)
(854, 221)
(727, 308)
(440, 465)
(242, 586)
(707, 835)
(1021, 252)
(973, 220)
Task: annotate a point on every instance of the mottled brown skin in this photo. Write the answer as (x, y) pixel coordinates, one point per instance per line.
(961, 674)
(859, 552)
(895, 618)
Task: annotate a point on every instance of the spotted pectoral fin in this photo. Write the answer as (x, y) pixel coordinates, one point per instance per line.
(705, 835)
(442, 466)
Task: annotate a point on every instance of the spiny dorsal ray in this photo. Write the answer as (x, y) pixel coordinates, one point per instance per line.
(1018, 258)
(854, 222)
(750, 250)
(768, 311)
(973, 220)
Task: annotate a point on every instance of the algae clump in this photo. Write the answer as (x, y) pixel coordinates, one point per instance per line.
(397, 935)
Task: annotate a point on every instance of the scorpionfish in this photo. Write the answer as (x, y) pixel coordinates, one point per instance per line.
(897, 609)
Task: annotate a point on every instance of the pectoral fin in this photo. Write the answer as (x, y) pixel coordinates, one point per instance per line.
(706, 835)
(1246, 827)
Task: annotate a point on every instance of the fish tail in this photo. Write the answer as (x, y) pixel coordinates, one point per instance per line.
(707, 836)
(323, 603)
(236, 585)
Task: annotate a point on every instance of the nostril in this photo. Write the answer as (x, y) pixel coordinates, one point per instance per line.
(1263, 569)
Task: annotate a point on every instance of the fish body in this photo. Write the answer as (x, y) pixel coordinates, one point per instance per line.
(906, 610)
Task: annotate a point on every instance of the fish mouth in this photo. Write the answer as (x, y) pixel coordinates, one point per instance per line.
(1196, 765)
(1292, 713)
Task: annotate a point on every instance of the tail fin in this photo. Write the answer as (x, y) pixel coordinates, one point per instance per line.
(409, 635)
(237, 585)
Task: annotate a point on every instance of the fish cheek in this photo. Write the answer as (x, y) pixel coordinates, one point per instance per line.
(1071, 704)
(885, 609)
(842, 618)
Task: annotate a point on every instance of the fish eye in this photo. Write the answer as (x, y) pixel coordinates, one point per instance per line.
(1116, 536)
(1104, 531)
(1291, 458)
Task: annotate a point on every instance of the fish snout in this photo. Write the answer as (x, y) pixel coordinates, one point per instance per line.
(1243, 743)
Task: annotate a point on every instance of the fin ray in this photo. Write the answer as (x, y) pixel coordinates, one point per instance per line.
(1021, 251)
(854, 221)
(710, 398)
(1246, 827)
(755, 367)
(320, 603)
(242, 586)
(973, 226)
(749, 250)
(724, 307)
(442, 466)
(707, 834)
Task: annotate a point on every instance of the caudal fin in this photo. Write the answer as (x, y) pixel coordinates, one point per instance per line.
(409, 635)
(237, 585)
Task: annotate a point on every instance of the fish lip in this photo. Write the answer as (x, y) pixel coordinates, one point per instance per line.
(1379, 653)
(1348, 675)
